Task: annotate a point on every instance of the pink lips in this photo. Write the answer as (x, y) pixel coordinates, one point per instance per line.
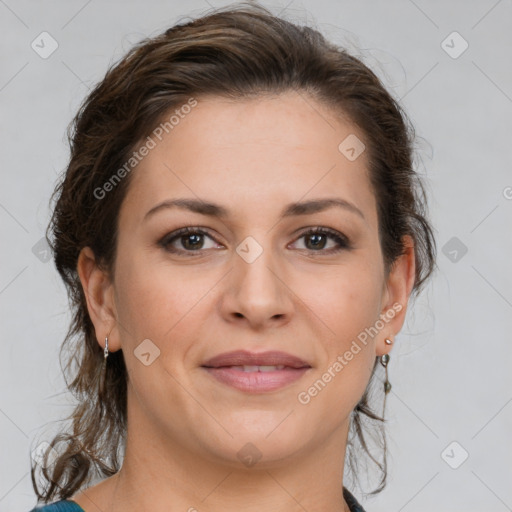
(256, 372)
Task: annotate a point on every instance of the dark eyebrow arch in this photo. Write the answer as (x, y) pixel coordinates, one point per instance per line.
(292, 209)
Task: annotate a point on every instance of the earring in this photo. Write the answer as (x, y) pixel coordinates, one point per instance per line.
(101, 384)
(105, 351)
(384, 361)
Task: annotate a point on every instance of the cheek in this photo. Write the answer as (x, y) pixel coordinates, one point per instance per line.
(348, 301)
(157, 301)
(348, 307)
(143, 301)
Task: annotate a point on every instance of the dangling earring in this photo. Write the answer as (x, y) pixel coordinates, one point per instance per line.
(103, 368)
(384, 361)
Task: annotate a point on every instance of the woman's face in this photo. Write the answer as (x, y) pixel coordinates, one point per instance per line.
(250, 279)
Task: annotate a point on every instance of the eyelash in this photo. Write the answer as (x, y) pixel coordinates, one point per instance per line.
(341, 240)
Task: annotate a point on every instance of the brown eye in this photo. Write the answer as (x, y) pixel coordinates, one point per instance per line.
(186, 240)
(317, 239)
(192, 241)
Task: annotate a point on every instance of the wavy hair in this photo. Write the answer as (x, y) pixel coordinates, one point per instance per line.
(237, 52)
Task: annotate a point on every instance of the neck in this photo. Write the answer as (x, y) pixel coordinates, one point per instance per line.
(200, 486)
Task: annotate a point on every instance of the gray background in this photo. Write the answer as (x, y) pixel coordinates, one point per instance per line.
(450, 368)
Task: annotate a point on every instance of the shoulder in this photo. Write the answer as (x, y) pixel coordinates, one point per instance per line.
(59, 506)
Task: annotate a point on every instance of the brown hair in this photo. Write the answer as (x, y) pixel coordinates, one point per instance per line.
(237, 52)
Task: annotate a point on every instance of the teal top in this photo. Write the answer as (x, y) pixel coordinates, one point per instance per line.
(60, 506)
(71, 506)
(352, 503)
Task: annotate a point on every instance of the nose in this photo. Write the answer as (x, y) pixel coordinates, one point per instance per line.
(255, 293)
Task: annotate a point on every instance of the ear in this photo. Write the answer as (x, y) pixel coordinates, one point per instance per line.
(397, 289)
(99, 294)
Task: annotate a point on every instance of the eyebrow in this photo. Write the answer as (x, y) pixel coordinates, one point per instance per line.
(292, 209)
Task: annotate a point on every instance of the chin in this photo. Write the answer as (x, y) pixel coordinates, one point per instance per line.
(260, 440)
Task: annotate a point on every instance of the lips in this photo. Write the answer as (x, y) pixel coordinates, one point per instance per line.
(256, 373)
(243, 358)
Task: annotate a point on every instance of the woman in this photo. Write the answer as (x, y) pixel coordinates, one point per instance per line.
(240, 229)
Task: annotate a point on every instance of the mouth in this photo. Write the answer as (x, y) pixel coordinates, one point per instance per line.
(256, 372)
(262, 368)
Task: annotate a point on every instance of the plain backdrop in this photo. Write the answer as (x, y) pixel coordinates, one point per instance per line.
(449, 64)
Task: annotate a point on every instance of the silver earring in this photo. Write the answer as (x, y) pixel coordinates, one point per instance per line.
(105, 351)
(388, 341)
(101, 384)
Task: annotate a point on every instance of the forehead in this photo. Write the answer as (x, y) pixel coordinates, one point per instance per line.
(255, 152)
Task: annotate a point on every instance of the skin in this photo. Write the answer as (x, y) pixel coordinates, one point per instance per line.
(185, 428)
